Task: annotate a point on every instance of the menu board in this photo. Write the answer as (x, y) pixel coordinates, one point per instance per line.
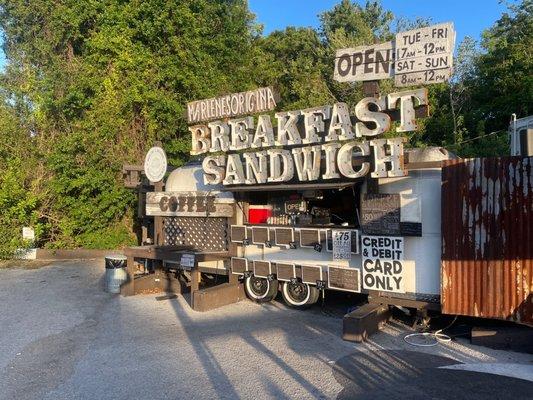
(380, 214)
(238, 233)
(309, 237)
(260, 235)
(239, 265)
(285, 271)
(311, 273)
(262, 268)
(342, 245)
(284, 236)
(343, 278)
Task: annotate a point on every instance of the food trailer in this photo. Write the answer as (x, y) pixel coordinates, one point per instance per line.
(319, 202)
(301, 202)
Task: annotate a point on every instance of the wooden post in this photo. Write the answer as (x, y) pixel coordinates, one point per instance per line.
(195, 283)
(371, 88)
(128, 288)
(158, 221)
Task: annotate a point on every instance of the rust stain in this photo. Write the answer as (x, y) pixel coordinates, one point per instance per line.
(487, 238)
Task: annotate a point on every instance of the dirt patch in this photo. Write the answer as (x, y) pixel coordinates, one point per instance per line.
(23, 264)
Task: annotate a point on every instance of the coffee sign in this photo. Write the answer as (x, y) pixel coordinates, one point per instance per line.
(185, 204)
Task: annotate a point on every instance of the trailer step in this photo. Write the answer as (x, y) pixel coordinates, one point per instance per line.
(359, 324)
(217, 296)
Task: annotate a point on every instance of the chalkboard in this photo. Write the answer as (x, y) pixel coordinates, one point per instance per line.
(309, 237)
(239, 265)
(343, 278)
(311, 273)
(260, 235)
(380, 214)
(284, 236)
(238, 233)
(411, 228)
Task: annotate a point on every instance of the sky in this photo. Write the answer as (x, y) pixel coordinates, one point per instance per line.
(470, 17)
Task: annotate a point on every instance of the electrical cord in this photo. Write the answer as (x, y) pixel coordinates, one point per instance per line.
(437, 336)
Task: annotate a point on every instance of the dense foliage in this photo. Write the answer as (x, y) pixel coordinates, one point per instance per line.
(89, 85)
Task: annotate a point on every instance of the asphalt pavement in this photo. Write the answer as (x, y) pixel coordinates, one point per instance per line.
(63, 337)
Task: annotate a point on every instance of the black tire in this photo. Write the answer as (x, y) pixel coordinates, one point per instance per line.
(260, 290)
(299, 295)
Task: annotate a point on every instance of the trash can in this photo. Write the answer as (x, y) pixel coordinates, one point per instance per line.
(115, 272)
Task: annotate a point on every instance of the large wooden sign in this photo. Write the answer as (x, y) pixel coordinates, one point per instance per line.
(380, 214)
(364, 63)
(415, 57)
(184, 204)
(424, 55)
(232, 105)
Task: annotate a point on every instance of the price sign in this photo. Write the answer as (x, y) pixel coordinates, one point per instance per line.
(342, 245)
(187, 260)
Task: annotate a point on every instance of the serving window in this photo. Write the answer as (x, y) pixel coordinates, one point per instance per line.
(310, 208)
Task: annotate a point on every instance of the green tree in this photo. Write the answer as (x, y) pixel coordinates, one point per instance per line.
(503, 80)
(103, 80)
(19, 179)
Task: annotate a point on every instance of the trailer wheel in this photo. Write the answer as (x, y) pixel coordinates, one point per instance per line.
(299, 295)
(260, 290)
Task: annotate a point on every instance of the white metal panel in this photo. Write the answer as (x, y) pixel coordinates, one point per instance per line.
(422, 255)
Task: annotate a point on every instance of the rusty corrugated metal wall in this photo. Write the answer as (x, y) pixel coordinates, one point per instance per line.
(487, 238)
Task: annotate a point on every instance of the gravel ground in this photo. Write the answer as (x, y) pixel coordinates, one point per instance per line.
(63, 337)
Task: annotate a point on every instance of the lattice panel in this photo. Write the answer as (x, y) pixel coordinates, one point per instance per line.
(203, 233)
